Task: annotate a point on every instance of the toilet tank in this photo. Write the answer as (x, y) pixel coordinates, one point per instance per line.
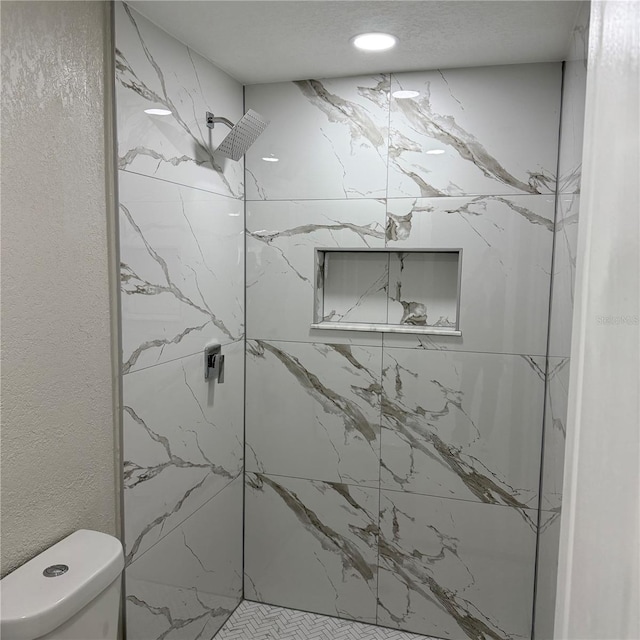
(71, 591)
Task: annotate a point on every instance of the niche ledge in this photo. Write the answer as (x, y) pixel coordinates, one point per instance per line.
(383, 290)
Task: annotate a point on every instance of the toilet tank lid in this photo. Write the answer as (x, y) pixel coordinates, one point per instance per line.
(32, 604)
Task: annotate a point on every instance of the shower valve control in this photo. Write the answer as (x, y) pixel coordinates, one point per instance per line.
(213, 362)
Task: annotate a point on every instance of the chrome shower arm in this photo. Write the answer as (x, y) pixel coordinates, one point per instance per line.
(212, 120)
(242, 135)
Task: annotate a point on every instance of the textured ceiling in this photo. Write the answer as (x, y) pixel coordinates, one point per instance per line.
(259, 41)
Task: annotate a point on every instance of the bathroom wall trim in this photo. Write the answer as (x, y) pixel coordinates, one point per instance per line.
(113, 234)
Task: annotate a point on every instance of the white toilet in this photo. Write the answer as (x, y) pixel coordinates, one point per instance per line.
(71, 591)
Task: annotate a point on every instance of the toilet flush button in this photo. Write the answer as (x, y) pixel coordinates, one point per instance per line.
(55, 570)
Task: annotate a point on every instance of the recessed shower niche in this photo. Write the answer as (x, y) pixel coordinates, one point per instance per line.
(409, 291)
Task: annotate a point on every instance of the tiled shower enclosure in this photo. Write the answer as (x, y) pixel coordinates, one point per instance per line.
(394, 478)
(182, 285)
(386, 478)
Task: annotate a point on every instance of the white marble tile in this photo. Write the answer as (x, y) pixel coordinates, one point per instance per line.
(494, 130)
(555, 423)
(463, 425)
(455, 569)
(187, 585)
(546, 577)
(182, 443)
(564, 273)
(313, 411)
(281, 242)
(423, 289)
(154, 70)
(182, 271)
(573, 106)
(330, 138)
(355, 287)
(311, 546)
(506, 264)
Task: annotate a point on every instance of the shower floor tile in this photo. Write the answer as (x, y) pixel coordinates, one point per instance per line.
(255, 621)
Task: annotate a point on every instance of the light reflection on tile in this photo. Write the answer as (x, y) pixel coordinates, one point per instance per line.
(343, 120)
(311, 545)
(181, 270)
(155, 70)
(497, 126)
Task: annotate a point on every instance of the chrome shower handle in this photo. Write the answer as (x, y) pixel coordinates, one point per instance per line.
(213, 362)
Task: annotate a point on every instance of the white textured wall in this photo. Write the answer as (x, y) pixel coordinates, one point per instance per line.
(58, 422)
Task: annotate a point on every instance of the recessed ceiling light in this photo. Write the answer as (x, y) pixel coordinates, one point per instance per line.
(435, 152)
(271, 159)
(402, 95)
(158, 112)
(374, 41)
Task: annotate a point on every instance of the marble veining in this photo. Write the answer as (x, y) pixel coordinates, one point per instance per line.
(353, 287)
(506, 264)
(181, 254)
(463, 425)
(182, 443)
(345, 122)
(312, 544)
(154, 70)
(423, 289)
(454, 569)
(407, 494)
(181, 214)
(555, 433)
(486, 142)
(361, 124)
(564, 272)
(281, 238)
(330, 420)
(189, 583)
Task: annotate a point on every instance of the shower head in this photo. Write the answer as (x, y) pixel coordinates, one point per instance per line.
(242, 135)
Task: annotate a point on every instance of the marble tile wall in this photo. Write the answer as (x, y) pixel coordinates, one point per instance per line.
(559, 350)
(395, 478)
(182, 286)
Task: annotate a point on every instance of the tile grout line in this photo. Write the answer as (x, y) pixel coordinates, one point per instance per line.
(546, 368)
(403, 491)
(182, 184)
(244, 391)
(386, 222)
(409, 347)
(469, 196)
(186, 355)
(179, 524)
(379, 485)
